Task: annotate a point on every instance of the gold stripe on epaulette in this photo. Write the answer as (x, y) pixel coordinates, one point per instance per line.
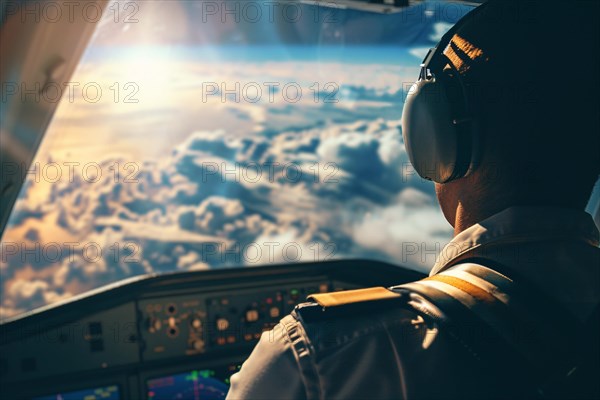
(335, 299)
(475, 291)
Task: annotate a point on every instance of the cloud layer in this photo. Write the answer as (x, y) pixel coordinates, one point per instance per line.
(228, 183)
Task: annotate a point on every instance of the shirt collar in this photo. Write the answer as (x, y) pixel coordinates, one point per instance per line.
(520, 224)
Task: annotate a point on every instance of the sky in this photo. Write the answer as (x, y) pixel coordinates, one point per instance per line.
(186, 147)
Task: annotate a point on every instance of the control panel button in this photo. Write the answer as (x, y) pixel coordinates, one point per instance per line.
(198, 344)
(154, 325)
(251, 315)
(196, 323)
(222, 324)
(274, 312)
(294, 294)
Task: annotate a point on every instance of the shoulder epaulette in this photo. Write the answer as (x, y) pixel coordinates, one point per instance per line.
(336, 299)
(347, 302)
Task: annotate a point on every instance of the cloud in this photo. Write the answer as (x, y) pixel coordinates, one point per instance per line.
(190, 261)
(353, 152)
(82, 269)
(26, 294)
(215, 143)
(214, 213)
(33, 291)
(288, 247)
(412, 231)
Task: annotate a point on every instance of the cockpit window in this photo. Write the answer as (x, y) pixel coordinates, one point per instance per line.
(198, 135)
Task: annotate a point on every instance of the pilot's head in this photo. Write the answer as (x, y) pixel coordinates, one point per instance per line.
(506, 110)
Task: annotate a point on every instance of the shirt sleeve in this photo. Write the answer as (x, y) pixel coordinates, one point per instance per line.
(271, 371)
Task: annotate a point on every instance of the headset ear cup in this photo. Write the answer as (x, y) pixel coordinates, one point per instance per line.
(429, 133)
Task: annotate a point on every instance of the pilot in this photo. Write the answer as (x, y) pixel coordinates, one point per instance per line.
(505, 120)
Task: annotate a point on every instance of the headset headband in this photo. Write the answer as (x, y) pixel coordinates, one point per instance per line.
(435, 59)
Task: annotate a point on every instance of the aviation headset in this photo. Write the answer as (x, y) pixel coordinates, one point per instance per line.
(438, 124)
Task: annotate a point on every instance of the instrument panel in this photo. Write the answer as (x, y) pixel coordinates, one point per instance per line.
(196, 323)
(175, 336)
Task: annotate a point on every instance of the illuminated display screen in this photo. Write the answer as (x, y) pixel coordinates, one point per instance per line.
(101, 393)
(206, 384)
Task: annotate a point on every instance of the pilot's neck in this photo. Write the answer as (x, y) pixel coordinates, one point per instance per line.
(467, 216)
(463, 219)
